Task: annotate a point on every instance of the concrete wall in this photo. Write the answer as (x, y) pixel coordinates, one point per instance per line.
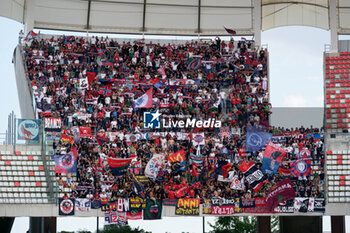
(50, 210)
(23, 87)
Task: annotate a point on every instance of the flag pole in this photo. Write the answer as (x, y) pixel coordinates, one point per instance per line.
(203, 224)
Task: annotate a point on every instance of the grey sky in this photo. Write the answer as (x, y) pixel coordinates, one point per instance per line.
(296, 76)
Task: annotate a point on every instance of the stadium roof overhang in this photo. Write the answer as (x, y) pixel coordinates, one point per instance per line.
(176, 17)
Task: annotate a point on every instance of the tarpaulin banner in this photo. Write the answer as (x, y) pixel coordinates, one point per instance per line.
(109, 206)
(219, 201)
(223, 210)
(137, 203)
(134, 215)
(285, 207)
(280, 192)
(304, 204)
(188, 207)
(319, 205)
(206, 206)
(28, 130)
(170, 202)
(66, 206)
(95, 204)
(260, 207)
(246, 203)
(82, 204)
(153, 210)
(114, 217)
(53, 124)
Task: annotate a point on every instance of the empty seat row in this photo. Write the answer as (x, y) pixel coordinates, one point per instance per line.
(338, 76)
(22, 178)
(343, 65)
(337, 81)
(24, 201)
(336, 58)
(24, 183)
(28, 153)
(22, 173)
(337, 71)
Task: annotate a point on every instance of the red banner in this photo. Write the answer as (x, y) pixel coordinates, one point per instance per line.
(85, 131)
(223, 210)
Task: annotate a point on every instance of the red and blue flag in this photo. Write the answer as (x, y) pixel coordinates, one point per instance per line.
(273, 156)
(301, 167)
(67, 163)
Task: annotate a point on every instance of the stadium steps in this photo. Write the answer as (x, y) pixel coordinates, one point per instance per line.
(22, 177)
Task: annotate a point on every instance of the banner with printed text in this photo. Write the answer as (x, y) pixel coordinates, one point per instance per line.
(188, 207)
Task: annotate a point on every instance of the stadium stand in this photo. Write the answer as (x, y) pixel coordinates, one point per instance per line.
(211, 79)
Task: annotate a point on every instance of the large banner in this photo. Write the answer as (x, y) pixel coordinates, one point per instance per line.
(153, 210)
(206, 206)
(28, 130)
(114, 217)
(280, 192)
(53, 124)
(253, 175)
(256, 139)
(319, 205)
(260, 207)
(137, 204)
(154, 165)
(66, 163)
(188, 207)
(304, 204)
(82, 204)
(273, 155)
(178, 161)
(222, 206)
(66, 206)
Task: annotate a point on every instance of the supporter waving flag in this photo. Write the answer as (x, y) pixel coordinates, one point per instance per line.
(144, 101)
(161, 70)
(31, 36)
(119, 166)
(154, 165)
(194, 64)
(301, 167)
(273, 155)
(66, 139)
(138, 187)
(256, 139)
(253, 175)
(66, 163)
(230, 31)
(178, 161)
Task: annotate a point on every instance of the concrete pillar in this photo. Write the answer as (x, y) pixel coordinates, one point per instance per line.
(36, 225)
(301, 224)
(257, 22)
(333, 25)
(6, 224)
(264, 224)
(50, 225)
(29, 16)
(42, 225)
(338, 224)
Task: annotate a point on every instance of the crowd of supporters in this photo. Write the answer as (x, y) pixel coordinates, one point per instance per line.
(222, 80)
